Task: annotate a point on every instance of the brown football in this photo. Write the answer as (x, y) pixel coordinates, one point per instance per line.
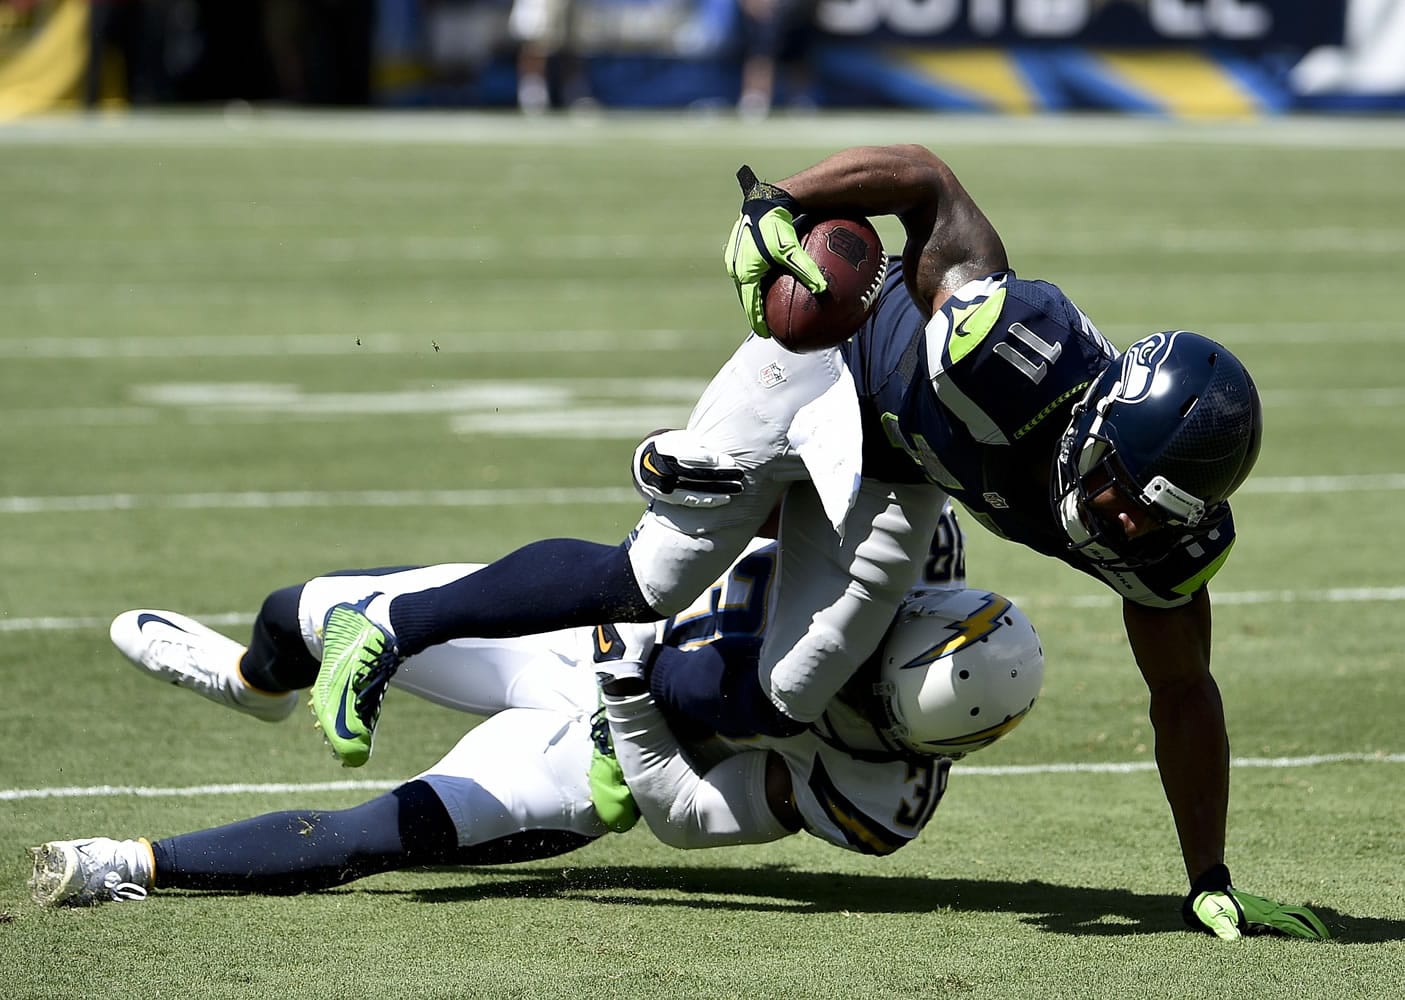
(850, 255)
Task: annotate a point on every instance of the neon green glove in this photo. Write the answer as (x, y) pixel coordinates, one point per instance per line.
(764, 238)
(1216, 907)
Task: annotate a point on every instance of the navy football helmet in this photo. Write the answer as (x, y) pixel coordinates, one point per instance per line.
(1175, 425)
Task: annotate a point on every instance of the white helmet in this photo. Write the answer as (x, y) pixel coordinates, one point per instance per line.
(958, 670)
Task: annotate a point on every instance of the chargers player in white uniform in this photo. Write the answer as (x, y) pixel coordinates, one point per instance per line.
(967, 381)
(540, 776)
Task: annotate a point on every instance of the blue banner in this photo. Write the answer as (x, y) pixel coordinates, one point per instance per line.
(1251, 25)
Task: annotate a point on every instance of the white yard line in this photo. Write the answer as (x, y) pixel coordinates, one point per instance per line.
(563, 496)
(1008, 770)
(544, 408)
(256, 500)
(351, 342)
(1331, 595)
(1096, 244)
(1130, 767)
(1291, 485)
(536, 342)
(190, 791)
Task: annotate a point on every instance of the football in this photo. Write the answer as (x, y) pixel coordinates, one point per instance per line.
(850, 255)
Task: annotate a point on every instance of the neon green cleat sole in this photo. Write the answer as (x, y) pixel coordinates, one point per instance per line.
(358, 659)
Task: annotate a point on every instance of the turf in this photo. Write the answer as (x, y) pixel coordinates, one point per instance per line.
(237, 353)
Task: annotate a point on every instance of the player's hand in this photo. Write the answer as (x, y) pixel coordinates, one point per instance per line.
(764, 238)
(675, 467)
(1229, 913)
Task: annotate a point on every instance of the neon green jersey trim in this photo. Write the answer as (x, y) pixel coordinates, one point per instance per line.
(970, 324)
(1199, 580)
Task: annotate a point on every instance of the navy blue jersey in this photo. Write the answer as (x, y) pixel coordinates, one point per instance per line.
(975, 400)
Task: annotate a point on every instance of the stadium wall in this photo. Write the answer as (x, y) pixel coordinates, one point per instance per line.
(1171, 57)
(1181, 58)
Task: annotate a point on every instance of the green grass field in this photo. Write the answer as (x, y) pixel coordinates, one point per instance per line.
(236, 354)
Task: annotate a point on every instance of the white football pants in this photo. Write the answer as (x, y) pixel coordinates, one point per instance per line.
(837, 595)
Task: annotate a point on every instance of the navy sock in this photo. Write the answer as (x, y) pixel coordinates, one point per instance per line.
(547, 585)
(277, 658)
(302, 851)
(716, 687)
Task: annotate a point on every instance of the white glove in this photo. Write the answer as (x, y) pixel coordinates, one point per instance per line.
(676, 467)
(621, 651)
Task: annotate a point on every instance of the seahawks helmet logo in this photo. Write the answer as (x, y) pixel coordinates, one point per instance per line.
(1140, 366)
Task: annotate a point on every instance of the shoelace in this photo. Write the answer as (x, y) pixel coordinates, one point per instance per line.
(196, 674)
(122, 891)
(372, 691)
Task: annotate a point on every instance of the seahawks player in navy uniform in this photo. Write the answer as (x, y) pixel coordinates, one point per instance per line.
(969, 382)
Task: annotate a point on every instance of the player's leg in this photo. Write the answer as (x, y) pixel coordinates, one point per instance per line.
(481, 676)
(515, 788)
(672, 555)
(180, 650)
(546, 586)
(262, 678)
(747, 413)
(564, 583)
(833, 602)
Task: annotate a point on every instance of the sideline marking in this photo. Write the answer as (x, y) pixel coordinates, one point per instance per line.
(1009, 770)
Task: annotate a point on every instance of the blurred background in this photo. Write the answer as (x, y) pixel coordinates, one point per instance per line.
(1181, 58)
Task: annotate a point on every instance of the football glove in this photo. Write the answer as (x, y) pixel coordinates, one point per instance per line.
(1216, 907)
(764, 238)
(675, 467)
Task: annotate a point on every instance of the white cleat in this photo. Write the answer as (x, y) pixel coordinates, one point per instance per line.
(179, 650)
(83, 872)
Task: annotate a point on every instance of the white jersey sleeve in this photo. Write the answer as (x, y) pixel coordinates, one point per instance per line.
(684, 804)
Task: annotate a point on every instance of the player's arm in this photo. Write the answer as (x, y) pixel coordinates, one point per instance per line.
(949, 239)
(745, 799)
(1172, 648)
